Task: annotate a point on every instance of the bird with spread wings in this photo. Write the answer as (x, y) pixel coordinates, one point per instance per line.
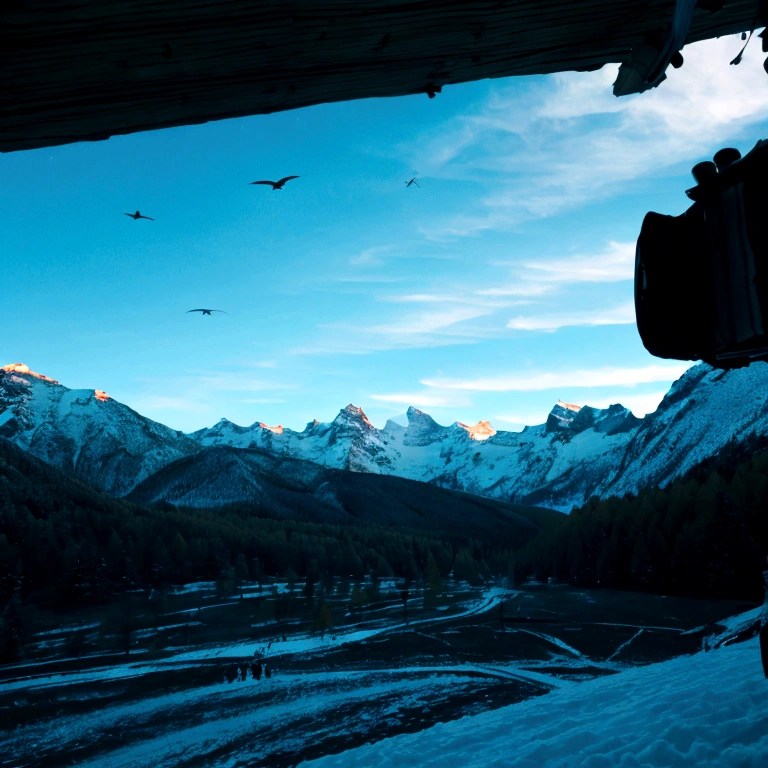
(136, 216)
(412, 181)
(206, 311)
(276, 184)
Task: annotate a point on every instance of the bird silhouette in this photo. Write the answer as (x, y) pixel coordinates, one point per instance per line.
(206, 311)
(137, 215)
(412, 181)
(276, 184)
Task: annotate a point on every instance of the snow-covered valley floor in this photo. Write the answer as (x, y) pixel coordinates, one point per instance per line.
(486, 653)
(707, 709)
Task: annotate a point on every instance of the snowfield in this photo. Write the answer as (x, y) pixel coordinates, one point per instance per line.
(709, 709)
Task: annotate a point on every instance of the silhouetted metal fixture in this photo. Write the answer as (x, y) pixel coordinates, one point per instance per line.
(649, 61)
(701, 279)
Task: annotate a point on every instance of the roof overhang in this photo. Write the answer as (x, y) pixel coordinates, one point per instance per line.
(84, 70)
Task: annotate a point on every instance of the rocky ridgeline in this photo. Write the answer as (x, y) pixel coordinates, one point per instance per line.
(578, 452)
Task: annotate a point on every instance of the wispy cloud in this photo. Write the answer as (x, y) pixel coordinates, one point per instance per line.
(162, 403)
(375, 278)
(477, 299)
(420, 400)
(564, 380)
(234, 383)
(568, 141)
(444, 321)
(371, 256)
(429, 328)
(614, 264)
(427, 298)
(520, 288)
(624, 314)
(522, 419)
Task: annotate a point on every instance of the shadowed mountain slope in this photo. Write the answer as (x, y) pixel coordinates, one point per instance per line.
(303, 490)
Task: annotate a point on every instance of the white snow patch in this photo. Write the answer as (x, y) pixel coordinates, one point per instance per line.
(710, 709)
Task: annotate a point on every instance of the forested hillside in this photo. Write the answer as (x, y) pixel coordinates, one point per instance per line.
(705, 534)
(63, 542)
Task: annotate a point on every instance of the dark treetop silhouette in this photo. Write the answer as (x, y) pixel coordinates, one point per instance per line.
(207, 311)
(412, 181)
(137, 215)
(276, 184)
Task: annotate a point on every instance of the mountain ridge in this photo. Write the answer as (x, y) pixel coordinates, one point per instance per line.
(578, 452)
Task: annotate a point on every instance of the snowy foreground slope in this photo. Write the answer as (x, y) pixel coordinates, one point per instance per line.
(709, 709)
(577, 453)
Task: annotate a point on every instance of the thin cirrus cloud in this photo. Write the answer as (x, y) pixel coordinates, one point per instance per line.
(585, 378)
(420, 400)
(544, 277)
(234, 383)
(519, 288)
(614, 264)
(568, 141)
(161, 403)
(371, 257)
(442, 322)
(624, 314)
(477, 299)
(431, 328)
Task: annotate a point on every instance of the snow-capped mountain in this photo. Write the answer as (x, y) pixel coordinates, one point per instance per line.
(350, 441)
(577, 453)
(84, 431)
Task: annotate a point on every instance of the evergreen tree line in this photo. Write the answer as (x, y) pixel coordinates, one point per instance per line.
(62, 542)
(704, 535)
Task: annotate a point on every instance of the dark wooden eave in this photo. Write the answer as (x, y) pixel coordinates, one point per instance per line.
(75, 70)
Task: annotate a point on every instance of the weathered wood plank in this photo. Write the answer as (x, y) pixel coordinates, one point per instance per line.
(88, 69)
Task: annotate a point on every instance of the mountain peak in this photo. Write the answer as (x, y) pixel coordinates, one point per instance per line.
(356, 412)
(480, 431)
(422, 428)
(21, 368)
(561, 416)
(100, 394)
(278, 430)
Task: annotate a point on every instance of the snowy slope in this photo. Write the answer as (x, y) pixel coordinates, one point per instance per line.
(577, 453)
(350, 441)
(84, 431)
(476, 459)
(702, 411)
(709, 709)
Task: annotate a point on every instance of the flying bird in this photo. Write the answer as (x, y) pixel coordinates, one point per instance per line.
(412, 181)
(137, 215)
(276, 184)
(206, 311)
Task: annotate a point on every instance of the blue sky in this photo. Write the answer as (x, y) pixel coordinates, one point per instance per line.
(499, 286)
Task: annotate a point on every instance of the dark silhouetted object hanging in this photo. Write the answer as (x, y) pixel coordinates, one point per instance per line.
(701, 279)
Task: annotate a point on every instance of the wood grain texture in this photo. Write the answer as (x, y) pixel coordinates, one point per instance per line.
(74, 70)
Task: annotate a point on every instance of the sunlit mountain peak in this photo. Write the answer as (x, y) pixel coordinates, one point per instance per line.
(21, 368)
(354, 410)
(569, 406)
(480, 431)
(278, 430)
(100, 394)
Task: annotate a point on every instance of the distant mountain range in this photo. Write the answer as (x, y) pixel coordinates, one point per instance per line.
(577, 453)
